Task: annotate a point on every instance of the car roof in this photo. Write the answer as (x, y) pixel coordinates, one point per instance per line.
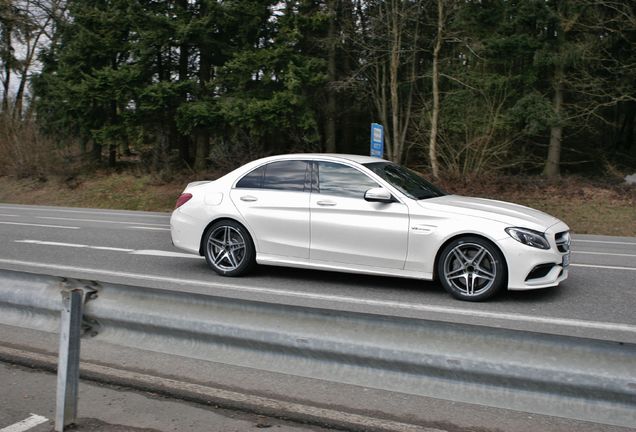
(327, 156)
(356, 159)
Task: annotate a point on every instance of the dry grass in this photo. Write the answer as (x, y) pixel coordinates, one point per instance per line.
(589, 207)
(37, 158)
(115, 191)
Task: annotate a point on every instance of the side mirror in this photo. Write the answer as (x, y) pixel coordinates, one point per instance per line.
(378, 195)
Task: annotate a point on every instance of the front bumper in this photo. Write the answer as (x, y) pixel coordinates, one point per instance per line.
(533, 268)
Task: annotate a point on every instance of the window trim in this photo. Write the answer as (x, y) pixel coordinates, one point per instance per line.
(399, 197)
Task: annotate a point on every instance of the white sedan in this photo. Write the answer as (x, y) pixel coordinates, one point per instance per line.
(367, 215)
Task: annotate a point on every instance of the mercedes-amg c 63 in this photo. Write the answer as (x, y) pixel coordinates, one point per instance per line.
(367, 215)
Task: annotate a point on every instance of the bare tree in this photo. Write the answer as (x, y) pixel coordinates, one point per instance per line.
(587, 77)
(8, 22)
(331, 108)
(390, 41)
(432, 147)
(27, 27)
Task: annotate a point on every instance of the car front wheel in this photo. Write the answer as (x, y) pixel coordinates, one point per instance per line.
(472, 269)
(229, 249)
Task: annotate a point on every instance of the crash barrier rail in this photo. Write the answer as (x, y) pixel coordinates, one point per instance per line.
(572, 377)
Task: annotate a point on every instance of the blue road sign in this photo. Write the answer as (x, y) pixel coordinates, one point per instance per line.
(377, 140)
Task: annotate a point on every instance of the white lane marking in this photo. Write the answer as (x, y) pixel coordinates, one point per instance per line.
(40, 225)
(8, 215)
(603, 241)
(595, 325)
(149, 228)
(26, 424)
(103, 221)
(603, 267)
(93, 212)
(152, 252)
(73, 245)
(149, 252)
(603, 253)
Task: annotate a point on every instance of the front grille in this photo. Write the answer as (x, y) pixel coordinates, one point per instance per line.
(563, 241)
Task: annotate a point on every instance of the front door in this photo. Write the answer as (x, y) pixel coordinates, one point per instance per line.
(346, 229)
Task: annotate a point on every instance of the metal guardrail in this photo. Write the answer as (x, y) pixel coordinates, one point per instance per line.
(579, 378)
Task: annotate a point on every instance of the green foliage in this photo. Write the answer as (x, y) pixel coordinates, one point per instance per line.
(198, 77)
(532, 114)
(197, 114)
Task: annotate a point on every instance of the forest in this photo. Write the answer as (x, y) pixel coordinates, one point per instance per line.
(462, 87)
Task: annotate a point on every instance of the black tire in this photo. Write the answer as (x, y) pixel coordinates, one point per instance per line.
(229, 249)
(471, 268)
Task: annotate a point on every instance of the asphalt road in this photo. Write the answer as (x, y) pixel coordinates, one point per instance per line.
(598, 300)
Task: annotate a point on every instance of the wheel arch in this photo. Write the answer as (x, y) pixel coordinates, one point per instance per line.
(468, 234)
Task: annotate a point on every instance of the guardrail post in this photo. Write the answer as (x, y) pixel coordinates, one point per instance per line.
(68, 360)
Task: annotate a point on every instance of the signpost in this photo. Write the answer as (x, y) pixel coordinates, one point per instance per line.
(377, 140)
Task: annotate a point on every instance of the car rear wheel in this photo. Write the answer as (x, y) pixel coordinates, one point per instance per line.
(229, 249)
(472, 269)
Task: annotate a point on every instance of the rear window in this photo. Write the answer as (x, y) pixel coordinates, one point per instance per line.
(282, 175)
(253, 180)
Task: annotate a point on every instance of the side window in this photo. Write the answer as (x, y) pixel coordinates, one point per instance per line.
(253, 180)
(286, 175)
(341, 180)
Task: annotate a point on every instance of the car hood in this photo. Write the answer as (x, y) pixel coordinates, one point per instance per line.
(501, 211)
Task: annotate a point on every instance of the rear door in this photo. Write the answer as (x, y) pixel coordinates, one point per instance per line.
(274, 201)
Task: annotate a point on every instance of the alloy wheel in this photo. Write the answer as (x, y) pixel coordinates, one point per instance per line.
(470, 269)
(226, 248)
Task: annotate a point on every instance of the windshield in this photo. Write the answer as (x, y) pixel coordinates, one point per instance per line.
(405, 180)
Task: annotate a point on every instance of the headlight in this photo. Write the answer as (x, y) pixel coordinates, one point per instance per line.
(529, 237)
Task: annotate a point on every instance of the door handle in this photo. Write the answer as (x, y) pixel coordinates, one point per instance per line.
(326, 203)
(248, 198)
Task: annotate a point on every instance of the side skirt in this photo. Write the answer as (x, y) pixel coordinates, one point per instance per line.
(274, 260)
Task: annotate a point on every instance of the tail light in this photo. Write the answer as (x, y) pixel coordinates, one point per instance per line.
(183, 198)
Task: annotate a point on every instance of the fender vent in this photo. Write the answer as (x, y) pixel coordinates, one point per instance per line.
(540, 271)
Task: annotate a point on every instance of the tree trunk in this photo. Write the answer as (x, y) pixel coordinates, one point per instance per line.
(432, 148)
(383, 108)
(330, 127)
(202, 138)
(347, 24)
(7, 60)
(32, 46)
(82, 145)
(184, 143)
(19, 97)
(160, 155)
(112, 155)
(125, 146)
(202, 149)
(552, 165)
(627, 128)
(396, 42)
(97, 152)
(114, 121)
